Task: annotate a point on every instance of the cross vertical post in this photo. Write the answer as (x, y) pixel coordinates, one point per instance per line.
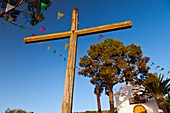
(70, 71)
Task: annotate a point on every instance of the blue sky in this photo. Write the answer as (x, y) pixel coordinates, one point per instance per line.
(32, 78)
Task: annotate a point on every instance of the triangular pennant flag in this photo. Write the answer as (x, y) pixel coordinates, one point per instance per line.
(168, 72)
(8, 7)
(60, 15)
(110, 42)
(64, 59)
(27, 20)
(157, 67)
(48, 48)
(66, 45)
(161, 69)
(85, 57)
(42, 29)
(10, 19)
(152, 63)
(77, 51)
(21, 27)
(33, 34)
(54, 51)
(40, 43)
(100, 36)
(43, 6)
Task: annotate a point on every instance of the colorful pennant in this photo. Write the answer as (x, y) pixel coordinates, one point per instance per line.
(77, 51)
(40, 43)
(60, 15)
(110, 42)
(8, 7)
(100, 36)
(42, 28)
(64, 59)
(33, 34)
(85, 57)
(48, 48)
(157, 67)
(152, 63)
(10, 19)
(66, 45)
(161, 69)
(21, 27)
(43, 6)
(54, 51)
(168, 72)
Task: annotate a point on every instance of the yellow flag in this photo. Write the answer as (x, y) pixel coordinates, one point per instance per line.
(48, 47)
(66, 45)
(60, 15)
(10, 18)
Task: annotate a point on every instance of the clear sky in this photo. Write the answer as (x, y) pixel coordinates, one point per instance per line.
(32, 77)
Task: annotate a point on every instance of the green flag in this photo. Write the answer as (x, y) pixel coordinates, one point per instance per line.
(43, 6)
(21, 27)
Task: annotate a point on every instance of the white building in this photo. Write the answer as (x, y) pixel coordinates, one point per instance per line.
(125, 102)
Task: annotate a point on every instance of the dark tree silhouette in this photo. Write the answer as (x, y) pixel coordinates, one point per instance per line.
(32, 9)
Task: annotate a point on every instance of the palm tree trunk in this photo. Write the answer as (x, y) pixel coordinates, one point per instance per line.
(111, 100)
(161, 104)
(97, 90)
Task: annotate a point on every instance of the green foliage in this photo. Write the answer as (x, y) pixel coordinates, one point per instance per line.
(157, 85)
(167, 102)
(27, 8)
(111, 63)
(15, 111)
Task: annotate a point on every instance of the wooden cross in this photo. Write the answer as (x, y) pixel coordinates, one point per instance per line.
(70, 70)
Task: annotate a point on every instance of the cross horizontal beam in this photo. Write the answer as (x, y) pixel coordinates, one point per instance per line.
(81, 32)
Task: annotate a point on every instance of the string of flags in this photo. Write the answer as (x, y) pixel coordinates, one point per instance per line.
(159, 67)
(27, 18)
(55, 51)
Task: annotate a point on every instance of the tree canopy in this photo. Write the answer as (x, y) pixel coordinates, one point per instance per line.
(111, 62)
(31, 10)
(16, 111)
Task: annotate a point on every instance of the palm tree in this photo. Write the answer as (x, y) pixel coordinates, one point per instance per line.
(158, 87)
(167, 102)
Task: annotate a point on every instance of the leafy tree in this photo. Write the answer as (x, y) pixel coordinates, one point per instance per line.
(15, 111)
(111, 62)
(32, 9)
(158, 87)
